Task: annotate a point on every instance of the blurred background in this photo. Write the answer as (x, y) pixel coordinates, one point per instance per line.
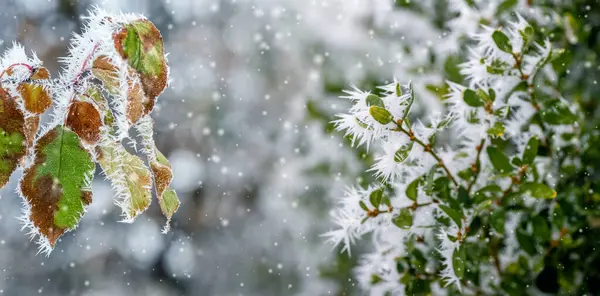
(246, 126)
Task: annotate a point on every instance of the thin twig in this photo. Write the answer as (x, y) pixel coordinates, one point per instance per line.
(427, 149)
(476, 166)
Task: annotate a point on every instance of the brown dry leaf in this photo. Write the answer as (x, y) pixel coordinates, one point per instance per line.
(135, 101)
(12, 137)
(35, 97)
(57, 185)
(105, 71)
(40, 74)
(141, 44)
(32, 123)
(84, 120)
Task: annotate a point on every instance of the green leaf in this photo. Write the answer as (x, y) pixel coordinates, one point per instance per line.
(403, 152)
(538, 190)
(502, 112)
(12, 136)
(452, 69)
(169, 204)
(530, 151)
(496, 130)
(492, 95)
(375, 197)
(471, 98)
(459, 258)
(525, 241)
(506, 5)
(463, 196)
(481, 195)
(374, 100)
(445, 122)
(381, 115)
(413, 188)
(558, 114)
(429, 181)
(386, 200)
(141, 44)
(129, 175)
(404, 219)
(409, 103)
(57, 186)
(453, 214)
(161, 171)
(466, 174)
(499, 160)
(163, 176)
(472, 117)
(363, 206)
(540, 228)
(375, 279)
(527, 35)
(502, 41)
(482, 95)
(498, 219)
(105, 71)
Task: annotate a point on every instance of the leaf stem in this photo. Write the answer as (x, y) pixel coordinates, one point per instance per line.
(476, 166)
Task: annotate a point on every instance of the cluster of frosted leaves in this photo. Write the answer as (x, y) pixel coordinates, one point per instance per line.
(121, 72)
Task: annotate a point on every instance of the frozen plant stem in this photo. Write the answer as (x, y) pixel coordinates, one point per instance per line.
(426, 147)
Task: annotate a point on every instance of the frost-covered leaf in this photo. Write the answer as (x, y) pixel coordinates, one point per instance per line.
(403, 152)
(36, 98)
(40, 73)
(445, 122)
(141, 44)
(381, 115)
(163, 175)
(497, 129)
(472, 99)
(105, 71)
(409, 102)
(502, 41)
(84, 119)
(374, 100)
(136, 101)
(12, 136)
(161, 170)
(129, 176)
(32, 124)
(502, 112)
(57, 185)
